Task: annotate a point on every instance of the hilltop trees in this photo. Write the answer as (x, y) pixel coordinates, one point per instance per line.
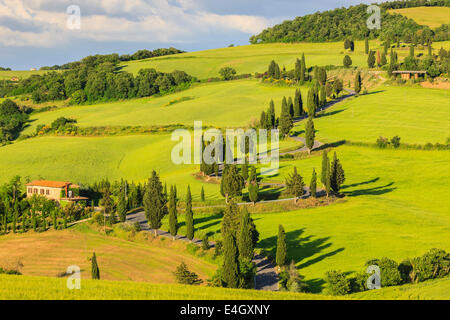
(154, 202)
(295, 185)
(309, 134)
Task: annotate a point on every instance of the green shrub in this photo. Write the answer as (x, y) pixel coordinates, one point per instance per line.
(433, 264)
(390, 275)
(337, 283)
(184, 276)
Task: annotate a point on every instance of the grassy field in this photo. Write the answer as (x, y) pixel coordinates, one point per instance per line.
(393, 197)
(429, 16)
(27, 287)
(416, 115)
(50, 253)
(21, 74)
(233, 103)
(256, 58)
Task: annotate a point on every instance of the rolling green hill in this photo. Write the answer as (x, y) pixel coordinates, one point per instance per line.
(429, 16)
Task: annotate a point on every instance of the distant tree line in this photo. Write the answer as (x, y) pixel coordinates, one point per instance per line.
(5, 69)
(114, 57)
(343, 23)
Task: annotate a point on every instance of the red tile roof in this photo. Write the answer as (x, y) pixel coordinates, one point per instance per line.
(49, 184)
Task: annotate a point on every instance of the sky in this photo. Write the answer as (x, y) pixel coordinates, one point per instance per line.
(36, 33)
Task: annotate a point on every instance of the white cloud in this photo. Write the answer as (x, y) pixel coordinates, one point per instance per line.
(42, 23)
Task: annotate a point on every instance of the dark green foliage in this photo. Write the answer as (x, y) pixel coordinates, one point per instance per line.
(231, 219)
(281, 247)
(390, 275)
(205, 242)
(337, 283)
(202, 194)
(337, 175)
(323, 96)
(298, 104)
(227, 73)
(285, 123)
(337, 25)
(395, 142)
(232, 183)
(184, 276)
(366, 45)
(371, 59)
(122, 205)
(274, 70)
(247, 272)
(311, 103)
(290, 107)
(154, 202)
(313, 184)
(95, 271)
(292, 280)
(244, 169)
(253, 191)
(382, 142)
(433, 264)
(12, 120)
(230, 267)
(324, 167)
(173, 220)
(189, 216)
(310, 134)
(358, 82)
(347, 61)
(383, 59)
(295, 185)
(245, 241)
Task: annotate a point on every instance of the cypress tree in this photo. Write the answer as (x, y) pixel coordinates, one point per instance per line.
(65, 222)
(189, 215)
(245, 242)
(323, 177)
(154, 202)
(313, 184)
(14, 222)
(358, 82)
(55, 220)
(281, 247)
(323, 96)
(311, 104)
(202, 194)
(303, 70)
(286, 123)
(295, 185)
(95, 271)
(271, 113)
(371, 59)
(347, 62)
(366, 44)
(231, 219)
(232, 183)
(328, 178)
(291, 107)
(253, 191)
(310, 134)
(277, 73)
(297, 70)
(298, 104)
(337, 175)
(244, 169)
(173, 221)
(383, 59)
(24, 221)
(411, 51)
(230, 267)
(122, 205)
(262, 121)
(112, 218)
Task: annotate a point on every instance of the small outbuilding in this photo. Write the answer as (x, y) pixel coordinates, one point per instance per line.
(406, 75)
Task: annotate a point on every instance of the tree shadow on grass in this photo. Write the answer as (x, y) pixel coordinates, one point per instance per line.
(331, 113)
(304, 250)
(360, 183)
(330, 145)
(375, 191)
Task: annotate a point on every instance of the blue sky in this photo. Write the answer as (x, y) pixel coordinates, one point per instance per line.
(34, 33)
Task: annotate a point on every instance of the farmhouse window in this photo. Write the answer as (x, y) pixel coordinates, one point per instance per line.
(30, 190)
(35, 191)
(42, 191)
(47, 192)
